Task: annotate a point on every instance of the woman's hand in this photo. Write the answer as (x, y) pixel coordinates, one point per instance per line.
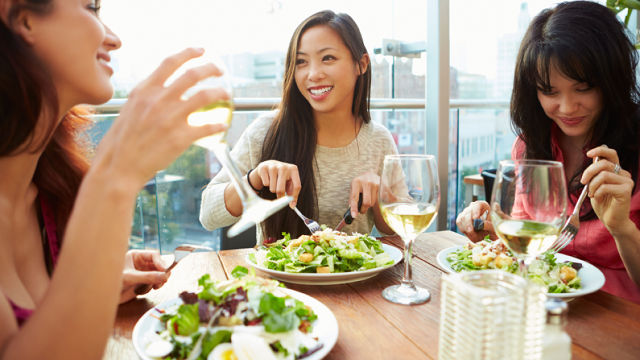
(142, 267)
(476, 210)
(152, 128)
(610, 189)
(367, 184)
(281, 178)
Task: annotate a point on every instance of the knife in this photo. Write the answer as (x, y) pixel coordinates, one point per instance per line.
(347, 218)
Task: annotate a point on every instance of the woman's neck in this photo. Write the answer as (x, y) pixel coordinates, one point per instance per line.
(336, 129)
(16, 177)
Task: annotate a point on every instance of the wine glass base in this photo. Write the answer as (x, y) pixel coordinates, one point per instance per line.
(406, 295)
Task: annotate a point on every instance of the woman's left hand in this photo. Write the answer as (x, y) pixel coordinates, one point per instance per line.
(142, 267)
(610, 188)
(368, 184)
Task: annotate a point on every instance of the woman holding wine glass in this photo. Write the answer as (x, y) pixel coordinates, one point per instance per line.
(65, 225)
(575, 99)
(320, 145)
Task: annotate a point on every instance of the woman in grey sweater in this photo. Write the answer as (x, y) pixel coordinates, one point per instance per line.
(320, 145)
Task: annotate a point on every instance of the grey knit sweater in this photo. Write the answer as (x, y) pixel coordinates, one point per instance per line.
(334, 171)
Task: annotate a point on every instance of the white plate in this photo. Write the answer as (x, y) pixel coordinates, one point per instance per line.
(325, 328)
(333, 278)
(591, 278)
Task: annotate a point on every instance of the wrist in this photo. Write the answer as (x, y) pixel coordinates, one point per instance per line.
(251, 184)
(627, 228)
(111, 185)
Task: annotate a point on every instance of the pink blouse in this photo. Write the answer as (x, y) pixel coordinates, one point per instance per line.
(594, 243)
(20, 313)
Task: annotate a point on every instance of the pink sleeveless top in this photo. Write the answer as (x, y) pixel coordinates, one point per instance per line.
(51, 239)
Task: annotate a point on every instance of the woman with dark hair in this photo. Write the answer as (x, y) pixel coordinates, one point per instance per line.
(320, 146)
(65, 225)
(575, 98)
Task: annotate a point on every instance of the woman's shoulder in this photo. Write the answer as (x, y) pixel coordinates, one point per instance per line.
(378, 133)
(258, 128)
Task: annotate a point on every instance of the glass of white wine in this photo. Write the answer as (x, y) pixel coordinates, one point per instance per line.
(528, 206)
(409, 200)
(255, 209)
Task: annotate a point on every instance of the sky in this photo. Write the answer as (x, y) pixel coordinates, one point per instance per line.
(153, 29)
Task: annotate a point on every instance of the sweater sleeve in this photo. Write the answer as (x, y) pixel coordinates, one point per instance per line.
(245, 154)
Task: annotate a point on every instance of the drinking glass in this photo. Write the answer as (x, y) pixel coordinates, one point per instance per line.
(528, 206)
(254, 208)
(409, 200)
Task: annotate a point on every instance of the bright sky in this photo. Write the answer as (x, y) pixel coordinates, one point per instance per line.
(152, 29)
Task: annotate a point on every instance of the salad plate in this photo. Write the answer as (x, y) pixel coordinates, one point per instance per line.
(324, 329)
(592, 279)
(331, 278)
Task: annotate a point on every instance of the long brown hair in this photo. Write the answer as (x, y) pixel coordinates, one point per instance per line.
(588, 44)
(28, 101)
(292, 137)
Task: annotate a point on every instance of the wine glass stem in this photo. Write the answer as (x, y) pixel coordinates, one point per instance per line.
(244, 192)
(406, 275)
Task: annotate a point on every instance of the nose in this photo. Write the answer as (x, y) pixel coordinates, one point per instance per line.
(111, 40)
(568, 104)
(316, 72)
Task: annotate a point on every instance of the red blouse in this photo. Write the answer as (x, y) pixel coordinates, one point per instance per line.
(594, 243)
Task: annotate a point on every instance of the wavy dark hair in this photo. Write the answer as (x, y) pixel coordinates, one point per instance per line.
(587, 43)
(28, 101)
(292, 136)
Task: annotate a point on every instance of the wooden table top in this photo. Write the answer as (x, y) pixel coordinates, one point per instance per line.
(600, 325)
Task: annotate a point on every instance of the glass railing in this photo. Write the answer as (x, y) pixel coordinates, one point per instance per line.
(167, 209)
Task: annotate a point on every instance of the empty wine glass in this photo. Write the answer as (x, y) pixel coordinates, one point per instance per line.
(255, 209)
(528, 206)
(409, 200)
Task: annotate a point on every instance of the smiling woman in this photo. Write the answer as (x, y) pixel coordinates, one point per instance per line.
(575, 98)
(320, 145)
(56, 211)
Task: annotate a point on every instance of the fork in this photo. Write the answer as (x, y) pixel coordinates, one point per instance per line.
(311, 224)
(570, 228)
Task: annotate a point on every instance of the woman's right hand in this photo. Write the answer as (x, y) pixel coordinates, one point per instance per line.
(152, 128)
(476, 210)
(281, 178)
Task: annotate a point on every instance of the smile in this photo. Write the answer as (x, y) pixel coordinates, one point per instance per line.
(318, 91)
(573, 120)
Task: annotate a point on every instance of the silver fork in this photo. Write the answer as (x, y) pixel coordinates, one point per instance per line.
(311, 224)
(570, 228)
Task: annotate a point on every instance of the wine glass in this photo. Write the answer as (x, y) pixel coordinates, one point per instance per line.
(255, 209)
(528, 206)
(409, 200)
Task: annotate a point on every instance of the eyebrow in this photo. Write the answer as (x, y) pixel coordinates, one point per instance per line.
(317, 52)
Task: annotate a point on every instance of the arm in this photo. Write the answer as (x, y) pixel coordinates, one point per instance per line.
(84, 292)
(610, 195)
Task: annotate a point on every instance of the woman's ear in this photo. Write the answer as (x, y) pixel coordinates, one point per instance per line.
(364, 63)
(22, 25)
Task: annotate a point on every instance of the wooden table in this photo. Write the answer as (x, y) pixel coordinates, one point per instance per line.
(600, 325)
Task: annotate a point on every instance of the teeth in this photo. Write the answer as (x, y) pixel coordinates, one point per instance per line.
(320, 91)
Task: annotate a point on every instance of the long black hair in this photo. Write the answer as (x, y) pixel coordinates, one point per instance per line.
(292, 136)
(587, 43)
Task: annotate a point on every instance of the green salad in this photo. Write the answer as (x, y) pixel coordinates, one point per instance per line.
(247, 317)
(544, 270)
(326, 251)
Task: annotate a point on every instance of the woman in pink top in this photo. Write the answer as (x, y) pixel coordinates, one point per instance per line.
(575, 98)
(55, 209)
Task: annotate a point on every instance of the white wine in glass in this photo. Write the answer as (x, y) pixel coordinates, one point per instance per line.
(409, 200)
(254, 208)
(528, 206)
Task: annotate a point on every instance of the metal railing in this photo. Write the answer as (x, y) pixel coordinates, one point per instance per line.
(113, 106)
